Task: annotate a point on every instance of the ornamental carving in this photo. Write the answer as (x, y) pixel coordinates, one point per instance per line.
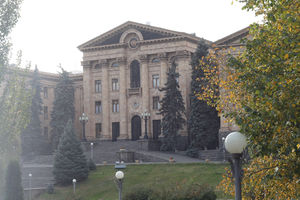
(122, 60)
(144, 58)
(86, 63)
(163, 56)
(104, 63)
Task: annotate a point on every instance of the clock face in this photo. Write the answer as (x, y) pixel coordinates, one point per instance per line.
(133, 43)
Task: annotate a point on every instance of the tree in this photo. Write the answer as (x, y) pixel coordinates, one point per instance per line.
(33, 142)
(203, 123)
(172, 109)
(70, 161)
(14, 189)
(63, 107)
(262, 88)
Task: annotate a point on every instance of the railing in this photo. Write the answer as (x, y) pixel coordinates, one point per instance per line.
(134, 91)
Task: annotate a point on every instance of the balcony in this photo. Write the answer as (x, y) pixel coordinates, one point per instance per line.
(134, 91)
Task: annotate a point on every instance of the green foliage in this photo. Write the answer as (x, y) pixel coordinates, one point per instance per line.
(203, 123)
(179, 192)
(33, 142)
(70, 161)
(63, 107)
(172, 109)
(14, 189)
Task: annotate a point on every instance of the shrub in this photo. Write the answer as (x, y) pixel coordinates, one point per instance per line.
(139, 193)
(13, 187)
(50, 189)
(92, 165)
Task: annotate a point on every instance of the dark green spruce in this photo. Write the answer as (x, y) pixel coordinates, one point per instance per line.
(33, 141)
(172, 109)
(70, 161)
(63, 107)
(203, 123)
(13, 184)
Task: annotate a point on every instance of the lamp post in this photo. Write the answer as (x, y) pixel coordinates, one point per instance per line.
(146, 116)
(235, 143)
(223, 140)
(30, 176)
(92, 151)
(119, 179)
(74, 185)
(83, 119)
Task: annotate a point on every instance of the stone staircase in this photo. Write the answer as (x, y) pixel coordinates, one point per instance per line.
(41, 176)
(213, 155)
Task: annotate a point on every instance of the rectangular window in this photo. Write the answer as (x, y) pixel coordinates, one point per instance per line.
(46, 131)
(45, 112)
(45, 92)
(115, 106)
(98, 107)
(98, 86)
(98, 130)
(115, 84)
(156, 104)
(155, 81)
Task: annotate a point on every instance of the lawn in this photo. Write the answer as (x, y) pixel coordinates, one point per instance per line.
(100, 184)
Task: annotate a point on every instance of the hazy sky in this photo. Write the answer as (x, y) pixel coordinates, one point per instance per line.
(49, 31)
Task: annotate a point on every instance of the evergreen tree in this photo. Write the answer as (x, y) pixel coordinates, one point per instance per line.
(33, 142)
(204, 123)
(70, 161)
(13, 189)
(172, 109)
(63, 107)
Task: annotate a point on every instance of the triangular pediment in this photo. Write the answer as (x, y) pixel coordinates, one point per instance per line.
(147, 32)
(234, 38)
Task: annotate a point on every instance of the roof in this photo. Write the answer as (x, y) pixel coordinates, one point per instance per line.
(232, 37)
(149, 33)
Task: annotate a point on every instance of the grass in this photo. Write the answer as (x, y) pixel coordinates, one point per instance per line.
(100, 184)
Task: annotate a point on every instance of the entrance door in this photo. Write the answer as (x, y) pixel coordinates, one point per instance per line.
(136, 128)
(115, 130)
(156, 129)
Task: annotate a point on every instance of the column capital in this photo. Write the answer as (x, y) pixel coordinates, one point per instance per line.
(122, 60)
(86, 63)
(183, 54)
(163, 56)
(144, 58)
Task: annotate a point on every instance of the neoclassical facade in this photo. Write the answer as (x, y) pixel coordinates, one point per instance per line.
(123, 70)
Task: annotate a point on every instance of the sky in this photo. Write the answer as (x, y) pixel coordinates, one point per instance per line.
(49, 31)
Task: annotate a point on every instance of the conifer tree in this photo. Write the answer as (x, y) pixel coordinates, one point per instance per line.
(13, 189)
(172, 109)
(63, 107)
(70, 161)
(203, 124)
(33, 142)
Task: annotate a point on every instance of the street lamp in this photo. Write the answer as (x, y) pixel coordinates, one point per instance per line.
(223, 149)
(92, 151)
(74, 185)
(235, 143)
(146, 116)
(119, 179)
(83, 119)
(30, 195)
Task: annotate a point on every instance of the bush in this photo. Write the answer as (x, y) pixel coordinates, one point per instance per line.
(92, 165)
(13, 187)
(178, 192)
(139, 194)
(50, 189)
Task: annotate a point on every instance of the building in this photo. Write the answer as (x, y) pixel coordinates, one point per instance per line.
(123, 70)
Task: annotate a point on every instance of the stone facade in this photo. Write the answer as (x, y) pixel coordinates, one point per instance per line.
(123, 70)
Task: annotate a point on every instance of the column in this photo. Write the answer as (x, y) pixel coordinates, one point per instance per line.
(163, 69)
(123, 99)
(145, 91)
(106, 105)
(87, 98)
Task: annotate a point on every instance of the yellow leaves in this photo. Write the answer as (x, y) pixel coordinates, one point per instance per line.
(298, 146)
(286, 56)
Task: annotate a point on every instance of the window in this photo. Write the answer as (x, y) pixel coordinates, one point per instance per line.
(45, 92)
(97, 86)
(98, 130)
(98, 107)
(115, 64)
(155, 60)
(45, 112)
(46, 131)
(135, 74)
(155, 81)
(115, 84)
(115, 106)
(156, 104)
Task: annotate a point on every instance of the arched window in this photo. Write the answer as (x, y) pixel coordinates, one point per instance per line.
(135, 74)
